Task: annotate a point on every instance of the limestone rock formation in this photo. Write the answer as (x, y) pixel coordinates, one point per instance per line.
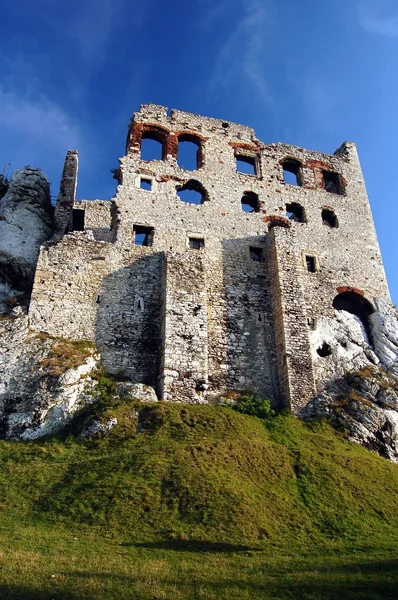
(364, 399)
(137, 391)
(384, 330)
(365, 404)
(25, 223)
(341, 344)
(37, 399)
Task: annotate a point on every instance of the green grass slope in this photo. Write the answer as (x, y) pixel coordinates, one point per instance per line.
(197, 502)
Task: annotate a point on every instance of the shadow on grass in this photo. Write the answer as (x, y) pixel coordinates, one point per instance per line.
(354, 581)
(193, 546)
(351, 581)
(20, 592)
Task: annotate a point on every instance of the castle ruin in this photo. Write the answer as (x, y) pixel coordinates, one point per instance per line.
(221, 278)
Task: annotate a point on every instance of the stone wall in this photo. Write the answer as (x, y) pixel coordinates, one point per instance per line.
(67, 287)
(96, 217)
(128, 320)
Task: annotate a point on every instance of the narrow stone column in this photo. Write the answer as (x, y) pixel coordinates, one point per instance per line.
(67, 193)
(184, 365)
(293, 350)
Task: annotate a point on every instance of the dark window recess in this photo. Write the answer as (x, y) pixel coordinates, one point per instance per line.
(256, 254)
(143, 236)
(292, 173)
(250, 202)
(192, 192)
(310, 261)
(145, 184)
(295, 212)
(332, 182)
(196, 243)
(78, 219)
(189, 155)
(324, 350)
(329, 218)
(246, 164)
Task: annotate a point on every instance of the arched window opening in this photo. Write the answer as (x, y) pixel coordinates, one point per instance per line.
(189, 155)
(292, 172)
(295, 212)
(277, 221)
(250, 202)
(192, 192)
(153, 145)
(357, 305)
(329, 218)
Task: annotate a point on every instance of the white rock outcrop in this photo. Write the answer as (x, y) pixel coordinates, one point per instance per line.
(33, 403)
(98, 428)
(362, 392)
(384, 329)
(136, 391)
(25, 223)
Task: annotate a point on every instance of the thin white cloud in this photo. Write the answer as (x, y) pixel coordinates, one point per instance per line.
(86, 30)
(320, 100)
(239, 62)
(36, 131)
(93, 29)
(379, 17)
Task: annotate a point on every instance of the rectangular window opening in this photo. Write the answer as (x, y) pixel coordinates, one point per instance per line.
(332, 182)
(196, 243)
(246, 164)
(256, 254)
(311, 265)
(78, 219)
(146, 184)
(143, 236)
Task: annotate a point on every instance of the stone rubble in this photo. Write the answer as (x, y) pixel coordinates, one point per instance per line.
(98, 428)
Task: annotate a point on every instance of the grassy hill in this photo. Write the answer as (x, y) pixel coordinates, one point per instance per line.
(197, 502)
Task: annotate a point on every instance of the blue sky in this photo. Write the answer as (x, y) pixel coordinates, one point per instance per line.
(309, 72)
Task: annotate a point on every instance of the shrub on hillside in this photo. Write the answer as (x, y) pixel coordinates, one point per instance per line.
(256, 407)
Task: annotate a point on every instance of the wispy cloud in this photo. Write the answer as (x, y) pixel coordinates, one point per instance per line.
(379, 17)
(239, 61)
(321, 101)
(38, 119)
(36, 131)
(93, 27)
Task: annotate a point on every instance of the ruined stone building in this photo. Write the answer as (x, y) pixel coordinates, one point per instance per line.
(235, 274)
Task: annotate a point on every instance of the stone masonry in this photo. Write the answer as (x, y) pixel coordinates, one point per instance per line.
(226, 293)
